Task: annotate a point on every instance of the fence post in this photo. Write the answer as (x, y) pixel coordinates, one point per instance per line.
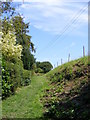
(57, 64)
(54, 65)
(61, 61)
(83, 51)
(69, 57)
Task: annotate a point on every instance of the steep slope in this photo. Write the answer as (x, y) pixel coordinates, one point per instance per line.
(68, 95)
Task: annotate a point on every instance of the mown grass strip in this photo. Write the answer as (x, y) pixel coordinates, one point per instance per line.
(26, 102)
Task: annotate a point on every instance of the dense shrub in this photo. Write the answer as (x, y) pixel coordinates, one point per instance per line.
(10, 50)
(26, 78)
(39, 70)
(6, 83)
(45, 66)
(13, 76)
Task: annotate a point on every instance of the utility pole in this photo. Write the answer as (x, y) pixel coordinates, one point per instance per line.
(83, 51)
(69, 57)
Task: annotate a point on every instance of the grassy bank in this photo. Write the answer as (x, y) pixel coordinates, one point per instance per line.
(69, 91)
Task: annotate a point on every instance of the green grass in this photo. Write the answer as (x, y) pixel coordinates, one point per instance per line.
(26, 102)
(63, 95)
(83, 61)
(69, 92)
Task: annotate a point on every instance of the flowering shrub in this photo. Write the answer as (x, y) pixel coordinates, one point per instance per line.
(10, 50)
(12, 66)
(13, 74)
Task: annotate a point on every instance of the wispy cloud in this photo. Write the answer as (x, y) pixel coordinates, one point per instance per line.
(53, 16)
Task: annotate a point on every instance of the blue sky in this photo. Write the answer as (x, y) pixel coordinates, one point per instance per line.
(57, 28)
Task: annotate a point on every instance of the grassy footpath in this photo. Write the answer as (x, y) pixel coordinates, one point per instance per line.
(26, 102)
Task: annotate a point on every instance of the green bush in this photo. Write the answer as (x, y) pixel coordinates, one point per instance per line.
(6, 83)
(45, 66)
(16, 71)
(39, 70)
(26, 78)
(13, 76)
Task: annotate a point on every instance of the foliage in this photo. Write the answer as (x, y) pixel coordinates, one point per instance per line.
(6, 83)
(25, 104)
(45, 66)
(11, 54)
(13, 76)
(10, 50)
(7, 9)
(6, 26)
(26, 78)
(38, 64)
(16, 47)
(28, 59)
(69, 71)
(13, 21)
(69, 91)
(21, 30)
(39, 70)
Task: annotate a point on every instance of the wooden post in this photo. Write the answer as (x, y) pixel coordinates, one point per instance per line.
(83, 51)
(68, 57)
(57, 64)
(54, 65)
(61, 61)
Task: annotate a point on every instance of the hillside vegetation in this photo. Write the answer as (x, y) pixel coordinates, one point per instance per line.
(68, 94)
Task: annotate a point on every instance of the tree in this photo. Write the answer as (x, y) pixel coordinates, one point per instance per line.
(21, 30)
(23, 39)
(28, 58)
(45, 66)
(6, 26)
(10, 22)
(38, 64)
(13, 74)
(7, 9)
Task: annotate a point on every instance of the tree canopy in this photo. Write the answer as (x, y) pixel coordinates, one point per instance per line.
(16, 23)
(45, 66)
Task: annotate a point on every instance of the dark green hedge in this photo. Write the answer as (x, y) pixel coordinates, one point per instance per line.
(13, 76)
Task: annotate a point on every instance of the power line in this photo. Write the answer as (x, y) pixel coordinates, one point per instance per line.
(68, 26)
(67, 31)
(71, 24)
(72, 21)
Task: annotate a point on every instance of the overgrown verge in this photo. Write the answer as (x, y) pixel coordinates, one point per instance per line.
(13, 73)
(69, 92)
(13, 76)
